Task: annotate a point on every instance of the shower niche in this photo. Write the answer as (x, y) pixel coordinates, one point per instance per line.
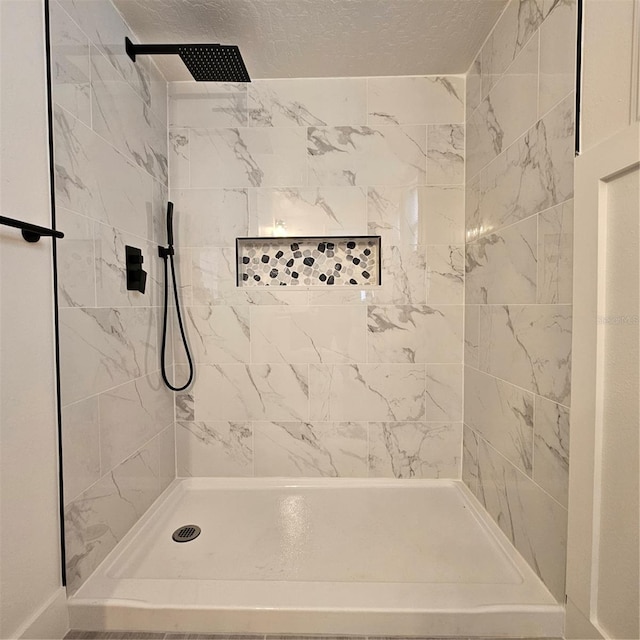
(309, 261)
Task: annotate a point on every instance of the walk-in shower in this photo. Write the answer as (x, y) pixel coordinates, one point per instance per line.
(365, 275)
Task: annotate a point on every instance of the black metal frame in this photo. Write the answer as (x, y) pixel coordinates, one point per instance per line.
(56, 313)
(579, 39)
(273, 239)
(30, 232)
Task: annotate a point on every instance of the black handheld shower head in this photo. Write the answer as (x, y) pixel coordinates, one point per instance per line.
(170, 224)
(206, 62)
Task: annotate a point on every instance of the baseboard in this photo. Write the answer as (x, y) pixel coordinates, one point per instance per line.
(51, 622)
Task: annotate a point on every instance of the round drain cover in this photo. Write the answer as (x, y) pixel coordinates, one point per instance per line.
(186, 533)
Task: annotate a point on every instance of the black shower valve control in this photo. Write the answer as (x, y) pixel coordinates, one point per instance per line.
(136, 275)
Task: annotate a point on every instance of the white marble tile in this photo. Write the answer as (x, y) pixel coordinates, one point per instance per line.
(159, 198)
(502, 267)
(472, 221)
(210, 274)
(470, 458)
(471, 335)
(403, 333)
(414, 449)
(443, 400)
(535, 173)
(534, 522)
(311, 449)
(251, 392)
(445, 274)
(104, 348)
(122, 118)
(444, 212)
(403, 276)
(210, 217)
(343, 296)
(515, 27)
(555, 254)
(366, 392)
(106, 29)
(158, 89)
(501, 414)
(76, 275)
(473, 86)
(416, 100)
(557, 55)
(445, 154)
(214, 449)
(81, 447)
(313, 211)
(131, 415)
(309, 334)
(111, 273)
(395, 214)
(70, 65)
(179, 155)
(185, 405)
(551, 448)
(530, 346)
(507, 112)
(100, 517)
(207, 105)
(93, 179)
(216, 334)
(307, 102)
(244, 157)
(361, 156)
(166, 457)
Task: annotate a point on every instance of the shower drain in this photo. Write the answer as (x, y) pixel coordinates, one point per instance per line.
(186, 533)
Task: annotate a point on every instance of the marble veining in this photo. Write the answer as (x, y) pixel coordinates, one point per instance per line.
(311, 449)
(533, 174)
(501, 414)
(366, 392)
(551, 449)
(214, 449)
(534, 522)
(414, 450)
(529, 345)
(502, 267)
(366, 155)
(307, 102)
(445, 154)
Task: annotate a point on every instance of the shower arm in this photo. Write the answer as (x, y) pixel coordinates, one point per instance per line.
(154, 49)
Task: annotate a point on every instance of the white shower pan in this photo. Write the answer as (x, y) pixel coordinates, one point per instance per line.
(318, 556)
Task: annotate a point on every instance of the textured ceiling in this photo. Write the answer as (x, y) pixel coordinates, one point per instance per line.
(322, 38)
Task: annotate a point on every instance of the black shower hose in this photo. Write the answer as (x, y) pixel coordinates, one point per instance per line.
(167, 256)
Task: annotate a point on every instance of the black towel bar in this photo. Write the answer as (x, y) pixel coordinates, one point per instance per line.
(30, 232)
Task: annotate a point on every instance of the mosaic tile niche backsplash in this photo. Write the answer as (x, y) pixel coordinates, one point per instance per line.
(308, 261)
(320, 380)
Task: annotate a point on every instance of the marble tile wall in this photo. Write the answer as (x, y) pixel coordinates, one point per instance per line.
(316, 382)
(110, 156)
(518, 278)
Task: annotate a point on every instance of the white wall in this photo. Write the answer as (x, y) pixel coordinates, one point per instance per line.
(29, 526)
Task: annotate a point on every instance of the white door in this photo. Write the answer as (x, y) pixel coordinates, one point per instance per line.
(602, 553)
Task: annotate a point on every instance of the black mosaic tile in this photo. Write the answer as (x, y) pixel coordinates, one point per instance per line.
(353, 261)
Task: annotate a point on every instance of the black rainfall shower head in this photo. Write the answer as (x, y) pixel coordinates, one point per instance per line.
(206, 62)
